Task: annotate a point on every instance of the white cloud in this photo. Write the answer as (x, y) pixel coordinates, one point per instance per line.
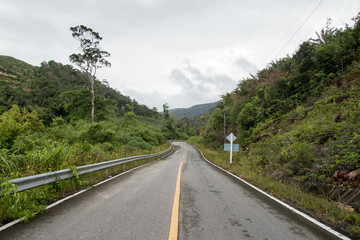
(9, 11)
(194, 87)
(197, 86)
(245, 65)
(152, 42)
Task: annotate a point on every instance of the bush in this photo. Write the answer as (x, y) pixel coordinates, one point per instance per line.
(14, 123)
(138, 142)
(98, 132)
(28, 142)
(128, 121)
(9, 162)
(47, 158)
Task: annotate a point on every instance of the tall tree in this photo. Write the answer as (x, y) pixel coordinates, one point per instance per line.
(91, 58)
(167, 119)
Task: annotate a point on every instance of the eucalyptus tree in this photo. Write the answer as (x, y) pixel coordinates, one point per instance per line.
(91, 57)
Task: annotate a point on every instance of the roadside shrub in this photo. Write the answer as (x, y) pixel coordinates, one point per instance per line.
(28, 142)
(98, 132)
(211, 140)
(14, 123)
(23, 205)
(128, 121)
(48, 158)
(149, 134)
(299, 157)
(9, 162)
(265, 153)
(138, 142)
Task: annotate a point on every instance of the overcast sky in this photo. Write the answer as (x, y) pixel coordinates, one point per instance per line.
(182, 52)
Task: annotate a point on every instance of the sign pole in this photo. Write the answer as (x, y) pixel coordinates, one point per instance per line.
(231, 139)
(231, 150)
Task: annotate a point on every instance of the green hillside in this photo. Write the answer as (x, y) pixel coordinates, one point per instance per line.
(298, 123)
(57, 90)
(12, 68)
(193, 111)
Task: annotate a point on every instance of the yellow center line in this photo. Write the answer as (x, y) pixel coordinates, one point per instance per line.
(173, 233)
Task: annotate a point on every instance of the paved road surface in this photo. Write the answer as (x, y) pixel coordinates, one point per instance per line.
(138, 205)
(215, 206)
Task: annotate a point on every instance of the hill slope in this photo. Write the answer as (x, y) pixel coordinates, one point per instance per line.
(54, 89)
(193, 111)
(300, 115)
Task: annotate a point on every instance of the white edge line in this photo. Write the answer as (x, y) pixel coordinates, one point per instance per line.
(82, 191)
(9, 224)
(316, 222)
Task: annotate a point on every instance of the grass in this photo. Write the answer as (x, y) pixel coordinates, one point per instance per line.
(317, 206)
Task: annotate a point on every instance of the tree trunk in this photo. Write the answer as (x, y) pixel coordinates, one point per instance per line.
(92, 100)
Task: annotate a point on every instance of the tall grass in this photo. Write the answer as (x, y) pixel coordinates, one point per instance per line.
(9, 162)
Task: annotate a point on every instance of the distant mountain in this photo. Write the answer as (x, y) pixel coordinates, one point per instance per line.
(192, 111)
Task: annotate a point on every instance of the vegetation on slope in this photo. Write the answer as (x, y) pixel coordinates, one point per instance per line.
(304, 108)
(297, 120)
(193, 111)
(27, 148)
(57, 90)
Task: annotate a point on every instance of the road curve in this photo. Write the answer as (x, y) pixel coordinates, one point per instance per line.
(214, 205)
(138, 205)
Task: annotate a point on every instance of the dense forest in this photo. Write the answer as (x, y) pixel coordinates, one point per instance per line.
(57, 90)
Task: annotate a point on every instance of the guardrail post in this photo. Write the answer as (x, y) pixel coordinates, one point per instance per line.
(124, 167)
(106, 171)
(135, 163)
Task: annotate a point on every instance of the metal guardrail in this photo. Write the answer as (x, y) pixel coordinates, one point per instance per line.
(34, 181)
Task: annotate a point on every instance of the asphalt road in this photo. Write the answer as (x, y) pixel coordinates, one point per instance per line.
(138, 205)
